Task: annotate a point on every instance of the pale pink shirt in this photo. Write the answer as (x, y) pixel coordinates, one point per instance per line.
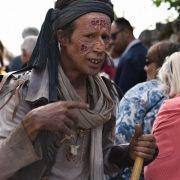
(166, 130)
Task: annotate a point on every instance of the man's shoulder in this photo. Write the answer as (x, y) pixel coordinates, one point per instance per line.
(136, 55)
(13, 85)
(139, 45)
(138, 49)
(12, 80)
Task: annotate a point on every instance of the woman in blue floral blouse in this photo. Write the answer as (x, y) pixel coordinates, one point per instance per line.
(142, 102)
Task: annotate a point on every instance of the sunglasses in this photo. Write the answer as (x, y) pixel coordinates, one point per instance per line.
(148, 61)
(114, 35)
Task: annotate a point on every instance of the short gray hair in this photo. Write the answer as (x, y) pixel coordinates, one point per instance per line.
(29, 43)
(169, 73)
(30, 31)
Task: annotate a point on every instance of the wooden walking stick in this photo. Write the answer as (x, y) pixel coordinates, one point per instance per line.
(138, 164)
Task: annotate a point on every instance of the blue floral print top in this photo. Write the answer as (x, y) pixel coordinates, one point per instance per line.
(139, 105)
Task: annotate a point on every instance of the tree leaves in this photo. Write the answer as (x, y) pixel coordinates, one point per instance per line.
(172, 4)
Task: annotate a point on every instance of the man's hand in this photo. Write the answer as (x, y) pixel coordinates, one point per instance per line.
(143, 146)
(58, 116)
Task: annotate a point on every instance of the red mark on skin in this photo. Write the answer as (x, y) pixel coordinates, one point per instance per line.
(96, 26)
(84, 48)
(99, 23)
(93, 23)
(102, 23)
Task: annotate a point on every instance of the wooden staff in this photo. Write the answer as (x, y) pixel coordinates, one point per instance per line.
(138, 164)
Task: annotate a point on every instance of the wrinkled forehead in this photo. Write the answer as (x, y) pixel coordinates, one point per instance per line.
(95, 18)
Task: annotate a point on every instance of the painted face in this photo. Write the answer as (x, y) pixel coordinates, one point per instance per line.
(85, 52)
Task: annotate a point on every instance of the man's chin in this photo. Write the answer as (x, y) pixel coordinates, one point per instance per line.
(93, 73)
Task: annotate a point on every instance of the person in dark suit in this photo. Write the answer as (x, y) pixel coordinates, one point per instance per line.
(131, 52)
(17, 62)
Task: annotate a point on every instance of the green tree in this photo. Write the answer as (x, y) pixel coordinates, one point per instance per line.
(172, 4)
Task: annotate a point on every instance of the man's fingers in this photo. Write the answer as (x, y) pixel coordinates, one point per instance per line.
(66, 130)
(69, 122)
(147, 137)
(148, 144)
(138, 130)
(137, 134)
(145, 156)
(73, 116)
(144, 150)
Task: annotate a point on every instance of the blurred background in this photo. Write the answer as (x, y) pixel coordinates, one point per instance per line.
(16, 15)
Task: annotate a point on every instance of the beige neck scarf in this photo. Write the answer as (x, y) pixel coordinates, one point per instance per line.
(91, 119)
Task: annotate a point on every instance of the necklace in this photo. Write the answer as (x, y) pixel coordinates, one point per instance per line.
(77, 140)
(73, 146)
(72, 150)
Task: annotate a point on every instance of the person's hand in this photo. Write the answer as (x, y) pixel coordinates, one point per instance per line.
(143, 145)
(58, 116)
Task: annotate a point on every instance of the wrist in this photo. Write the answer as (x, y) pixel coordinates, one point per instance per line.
(120, 156)
(31, 125)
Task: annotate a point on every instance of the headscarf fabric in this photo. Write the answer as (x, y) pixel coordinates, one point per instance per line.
(77, 9)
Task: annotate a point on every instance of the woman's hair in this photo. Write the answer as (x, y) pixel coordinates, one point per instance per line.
(164, 49)
(169, 73)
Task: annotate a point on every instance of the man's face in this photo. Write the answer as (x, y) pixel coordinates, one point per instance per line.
(118, 40)
(25, 56)
(85, 52)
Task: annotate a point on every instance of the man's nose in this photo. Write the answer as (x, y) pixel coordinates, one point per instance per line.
(111, 41)
(99, 45)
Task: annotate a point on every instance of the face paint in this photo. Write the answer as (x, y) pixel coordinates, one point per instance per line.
(99, 23)
(96, 25)
(86, 50)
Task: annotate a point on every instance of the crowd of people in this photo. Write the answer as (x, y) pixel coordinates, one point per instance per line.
(70, 101)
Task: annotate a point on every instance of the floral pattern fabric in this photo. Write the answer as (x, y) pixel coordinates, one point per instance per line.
(139, 105)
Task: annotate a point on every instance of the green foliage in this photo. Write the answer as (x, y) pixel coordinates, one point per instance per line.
(172, 4)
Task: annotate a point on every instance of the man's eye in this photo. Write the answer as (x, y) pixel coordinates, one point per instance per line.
(105, 37)
(90, 36)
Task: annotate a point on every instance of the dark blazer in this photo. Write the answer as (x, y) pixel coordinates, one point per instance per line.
(15, 64)
(130, 70)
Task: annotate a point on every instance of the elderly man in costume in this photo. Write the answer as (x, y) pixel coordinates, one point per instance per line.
(57, 115)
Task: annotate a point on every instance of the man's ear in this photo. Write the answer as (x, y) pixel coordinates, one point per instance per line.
(62, 39)
(127, 33)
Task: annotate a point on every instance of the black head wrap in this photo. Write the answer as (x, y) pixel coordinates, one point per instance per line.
(46, 51)
(79, 8)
